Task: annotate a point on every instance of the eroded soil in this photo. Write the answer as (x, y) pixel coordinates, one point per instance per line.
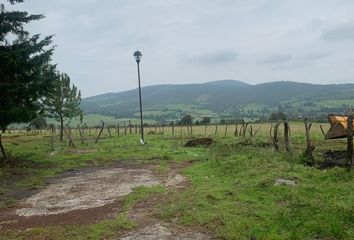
(93, 194)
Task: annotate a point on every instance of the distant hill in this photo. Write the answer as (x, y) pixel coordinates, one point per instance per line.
(225, 99)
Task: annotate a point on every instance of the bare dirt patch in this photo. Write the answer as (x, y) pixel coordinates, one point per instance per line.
(86, 190)
(165, 231)
(91, 195)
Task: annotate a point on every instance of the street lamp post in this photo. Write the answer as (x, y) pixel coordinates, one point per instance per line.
(138, 55)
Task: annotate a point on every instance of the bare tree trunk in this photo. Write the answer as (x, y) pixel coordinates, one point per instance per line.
(118, 129)
(216, 129)
(236, 130)
(286, 137)
(310, 147)
(191, 126)
(225, 130)
(173, 129)
(350, 142)
(205, 129)
(2, 148)
(61, 128)
(52, 138)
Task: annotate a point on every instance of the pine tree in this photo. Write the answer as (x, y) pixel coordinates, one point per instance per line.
(25, 70)
(64, 101)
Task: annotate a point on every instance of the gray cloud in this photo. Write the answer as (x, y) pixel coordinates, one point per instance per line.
(217, 57)
(316, 55)
(185, 41)
(276, 59)
(342, 31)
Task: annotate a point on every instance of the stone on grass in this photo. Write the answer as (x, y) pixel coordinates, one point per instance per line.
(284, 182)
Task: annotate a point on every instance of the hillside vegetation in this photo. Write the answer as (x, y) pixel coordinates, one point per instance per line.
(225, 99)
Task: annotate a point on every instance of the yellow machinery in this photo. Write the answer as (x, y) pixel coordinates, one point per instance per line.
(339, 126)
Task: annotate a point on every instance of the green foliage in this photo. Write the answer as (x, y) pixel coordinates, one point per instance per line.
(231, 190)
(39, 122)
(63, 102)
(186, 120)
(25, 71)
(276, 116)
(206, 120)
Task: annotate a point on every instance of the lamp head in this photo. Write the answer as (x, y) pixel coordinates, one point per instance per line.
(137, 55)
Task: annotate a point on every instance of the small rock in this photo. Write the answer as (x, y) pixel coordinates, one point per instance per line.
(174, 180)
(285, 182)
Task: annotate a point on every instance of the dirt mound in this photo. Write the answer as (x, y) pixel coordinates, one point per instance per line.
(334, 159)
(199, 142)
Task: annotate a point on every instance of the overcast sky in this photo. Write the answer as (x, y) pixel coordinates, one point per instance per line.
(190, 41)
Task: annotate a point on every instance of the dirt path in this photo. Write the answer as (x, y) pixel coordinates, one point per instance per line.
(90, 195)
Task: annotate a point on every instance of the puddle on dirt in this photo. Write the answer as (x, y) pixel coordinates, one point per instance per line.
(86, 190)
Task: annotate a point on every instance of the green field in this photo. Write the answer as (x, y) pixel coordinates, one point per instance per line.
(231, 193)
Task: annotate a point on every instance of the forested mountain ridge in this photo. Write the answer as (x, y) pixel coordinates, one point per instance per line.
(225, 99)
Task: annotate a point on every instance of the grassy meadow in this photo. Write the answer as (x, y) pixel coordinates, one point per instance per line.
(231, 193)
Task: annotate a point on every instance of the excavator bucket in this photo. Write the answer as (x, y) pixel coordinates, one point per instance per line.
(339, 126)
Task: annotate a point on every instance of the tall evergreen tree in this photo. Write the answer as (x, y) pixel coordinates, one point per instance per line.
(64, 101)
(25, 70)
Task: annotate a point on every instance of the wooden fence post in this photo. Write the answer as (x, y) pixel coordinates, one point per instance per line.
(68, 134)
(350, 142)
(130, 127)
(109, 132)
(274, 137)
(323, 132)
(216, 129)
(309, 146)
(82, 139)
(245, 129)
(286, 136)
(99, 134)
